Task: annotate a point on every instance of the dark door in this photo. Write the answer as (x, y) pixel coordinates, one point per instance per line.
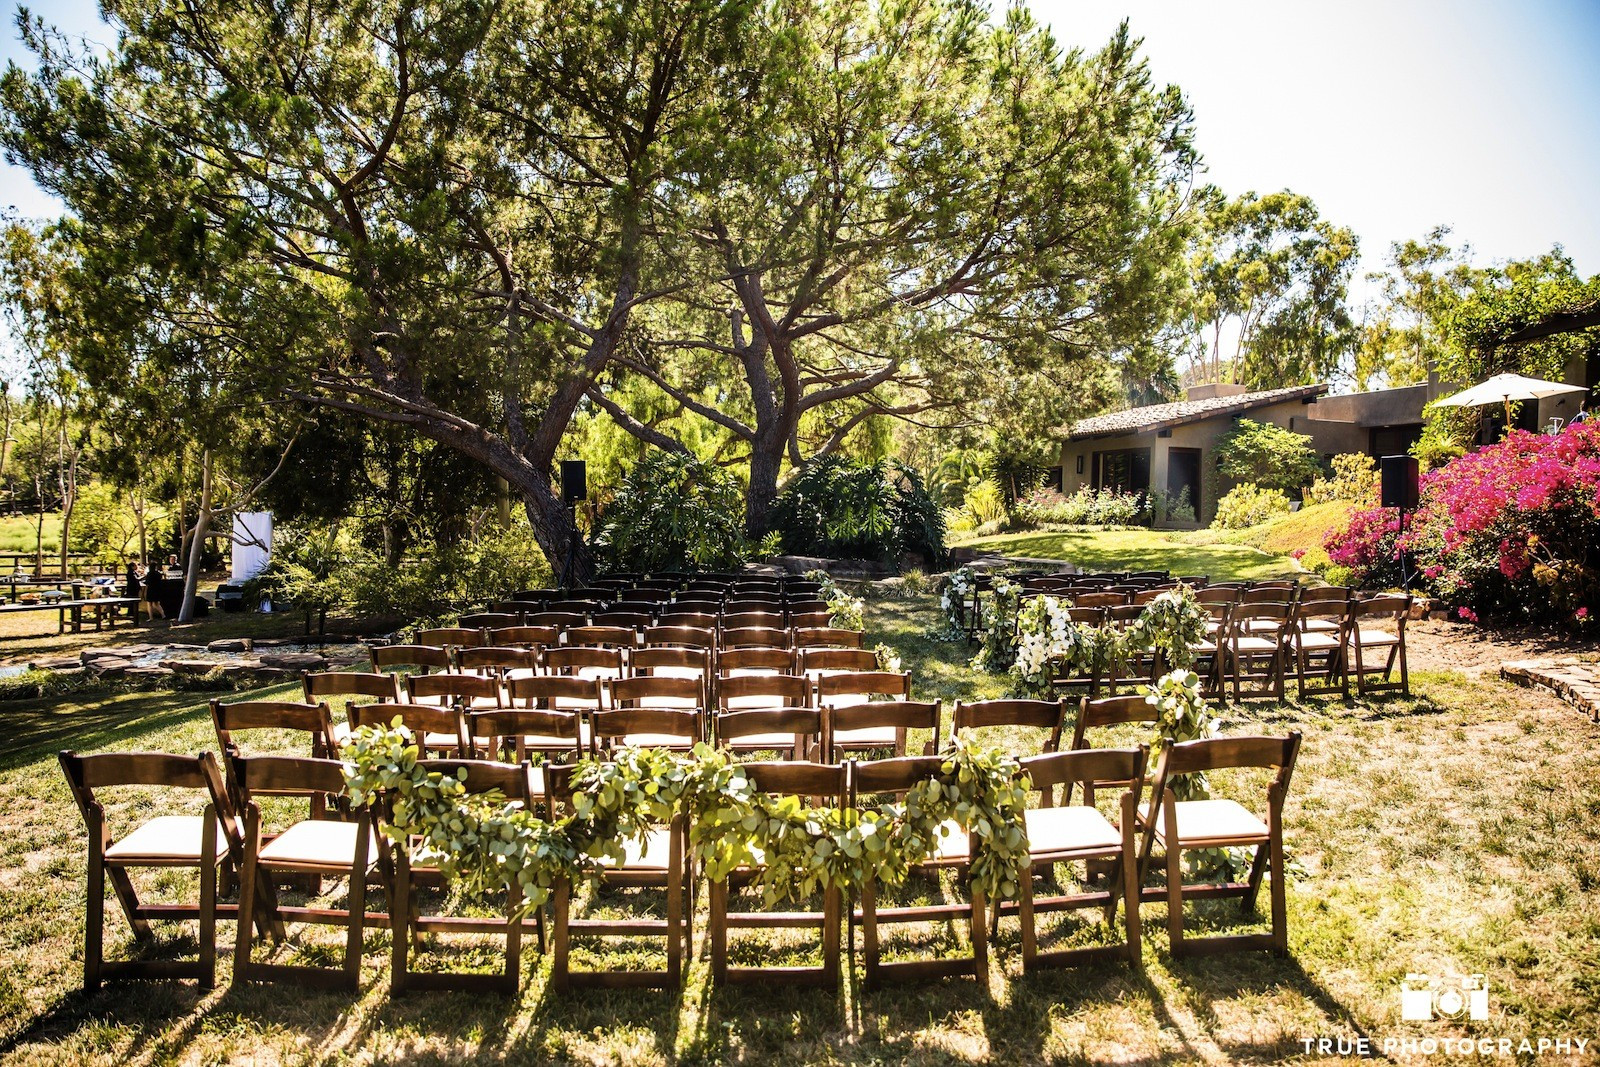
(1183, 474)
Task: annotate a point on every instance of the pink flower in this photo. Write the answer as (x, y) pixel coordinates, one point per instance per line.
(1581, 614)
(1467, 614)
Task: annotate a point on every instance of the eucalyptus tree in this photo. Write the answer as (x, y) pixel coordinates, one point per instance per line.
(910, 204)
(432, 213)
(1273, 275)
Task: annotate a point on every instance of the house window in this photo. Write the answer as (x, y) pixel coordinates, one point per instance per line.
(1126, 470)
(1052, 479)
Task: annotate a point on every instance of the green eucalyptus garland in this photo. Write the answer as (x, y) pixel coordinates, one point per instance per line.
(484, 844)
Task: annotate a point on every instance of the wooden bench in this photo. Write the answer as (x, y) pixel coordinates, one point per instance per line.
(74, 610)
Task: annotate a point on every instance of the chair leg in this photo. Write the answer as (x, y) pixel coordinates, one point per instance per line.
(513, 939)
(832, 905)
(979, 928)
(675, 913)
(718, 932)
(869, 932)
(208, 901)
(399, 926)
(1174, 876)
(358, 914)
(1247, 903)
(561, 901)
(94, 921)
(1030, 941)
(1131, 873)
(1279, 891)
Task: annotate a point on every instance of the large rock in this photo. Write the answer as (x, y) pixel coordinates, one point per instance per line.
(109, 665)
(239, 668)
(146, 673)
(231, 644)
(294, 661)
(190, 666)
(56, 663)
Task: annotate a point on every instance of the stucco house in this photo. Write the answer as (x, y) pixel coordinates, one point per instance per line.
(1166, 448)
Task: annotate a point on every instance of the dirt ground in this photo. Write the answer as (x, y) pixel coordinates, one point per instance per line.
(1435, 645)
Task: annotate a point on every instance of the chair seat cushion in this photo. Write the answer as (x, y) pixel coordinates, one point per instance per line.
(165, 838)
(1318, 641)
(1213, 820)
(1375, 638)
(762, 740)
(866, 737)
(655, 741)
(1331, 625)
(950, 843)
(654, 853)
(318, 842)
(1073, 828)
(1255, 644)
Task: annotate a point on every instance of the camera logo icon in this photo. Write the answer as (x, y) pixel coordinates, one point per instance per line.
(1424, 997)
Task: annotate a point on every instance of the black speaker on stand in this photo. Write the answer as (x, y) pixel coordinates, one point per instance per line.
(574, 487)
(1399, 487)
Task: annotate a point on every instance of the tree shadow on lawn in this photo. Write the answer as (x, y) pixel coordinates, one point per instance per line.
(97, 722)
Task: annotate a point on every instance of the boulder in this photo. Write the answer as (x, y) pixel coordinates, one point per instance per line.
(56, 663)
(109, 665)
(232, 644)
(146, 673)
(294, 661)
(190, 666)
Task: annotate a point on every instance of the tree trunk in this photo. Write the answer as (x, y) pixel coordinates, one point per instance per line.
(67, 474)
(138, 518)
(556, 531)
(765, 463)
(202, 523)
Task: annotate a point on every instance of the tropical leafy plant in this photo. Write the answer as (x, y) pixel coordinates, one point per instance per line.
(837, 508)
(674, 512)
(1247, 505)
(1268, 456)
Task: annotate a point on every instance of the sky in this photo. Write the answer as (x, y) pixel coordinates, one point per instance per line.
(1394, 117)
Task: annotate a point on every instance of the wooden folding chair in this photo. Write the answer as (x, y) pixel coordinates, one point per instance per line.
(660, 861)
(878, 725)
(424, 657)
(557, 620)
(689, 629)
(586, 662)
(497, 661)
(598, 636)
(439, 728)
(674, 662)
(451, 637)
(473, 692)
(796, 730)
(415, 866)
(315, 847)
(818, 783)
(739, 662)
(1388, 641)
(201, 841)
(854, 688)
(633, 620)
(491, 620)
(1071, 833)
(1210, 651)
(1099, 599)
(1142, 668)
(754, 637)
(1090, 681)
(1196, 824)
(370, 684)
(1318, 635)
(1256, 648)
(532, 638)
(647, 726)
(811, 620)
(953, 851)
(1047, 715)
(807, 638)
(816, 662)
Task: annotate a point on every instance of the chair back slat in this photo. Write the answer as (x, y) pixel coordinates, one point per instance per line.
(429, 657)
(374, 684)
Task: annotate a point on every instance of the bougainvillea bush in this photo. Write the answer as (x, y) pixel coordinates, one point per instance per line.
(1509, 530)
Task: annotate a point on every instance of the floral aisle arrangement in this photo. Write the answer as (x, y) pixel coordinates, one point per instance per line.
(1511, 529)
(957, 594)
(485, 845)
(845, 611)
(1182, 714)
(1049, 644)
(999, 648)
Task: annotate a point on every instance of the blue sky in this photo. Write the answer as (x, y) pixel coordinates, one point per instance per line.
(1393, 116)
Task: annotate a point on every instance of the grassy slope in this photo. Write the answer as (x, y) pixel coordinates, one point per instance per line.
(1435, 833)
(1138, 549)
(1306, 528)
(17, 532)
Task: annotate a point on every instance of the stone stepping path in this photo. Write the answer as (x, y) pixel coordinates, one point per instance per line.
(1576, 683)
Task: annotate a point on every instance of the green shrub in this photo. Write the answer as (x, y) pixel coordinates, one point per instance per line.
(834, 507)
(1247, 505)
(674, 512)
(1355, 478)
(1267, 455)
(1086, 507)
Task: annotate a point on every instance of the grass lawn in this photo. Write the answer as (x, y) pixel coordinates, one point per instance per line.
(1454, 831)
(17, 532)
(1140, 549)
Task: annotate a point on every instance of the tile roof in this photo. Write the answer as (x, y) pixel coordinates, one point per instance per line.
(1154, 417)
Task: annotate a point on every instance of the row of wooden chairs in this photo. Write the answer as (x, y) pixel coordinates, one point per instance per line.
(231, 826)
(762, 632)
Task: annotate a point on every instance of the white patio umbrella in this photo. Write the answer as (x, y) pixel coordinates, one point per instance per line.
(1503, 389)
